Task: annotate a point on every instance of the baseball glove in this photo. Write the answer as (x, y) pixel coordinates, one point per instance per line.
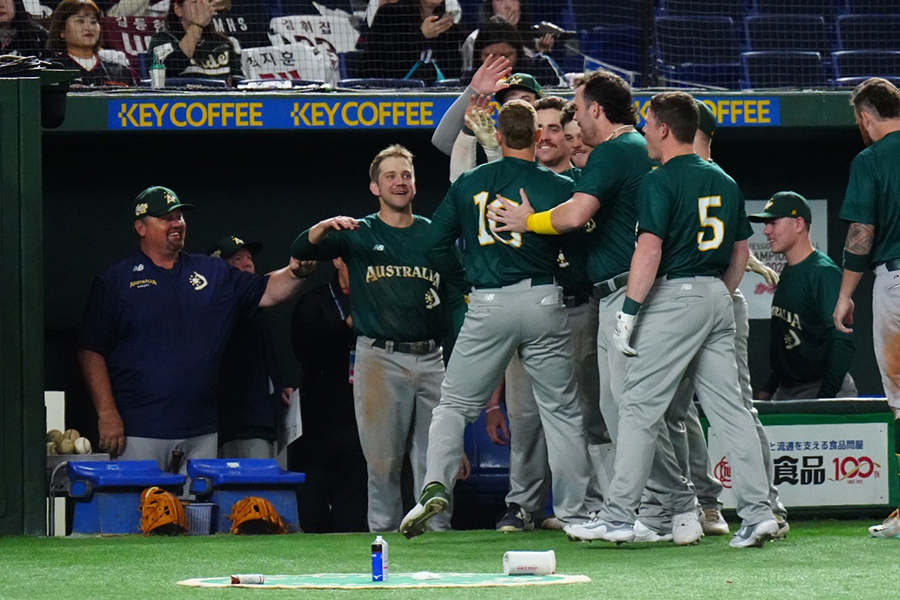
(161, 513)
(254, 515)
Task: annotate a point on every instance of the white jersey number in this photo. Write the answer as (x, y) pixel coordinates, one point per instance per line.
(486, 233)
(708, 223)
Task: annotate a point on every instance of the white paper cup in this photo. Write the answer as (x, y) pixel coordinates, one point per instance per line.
(529, 563)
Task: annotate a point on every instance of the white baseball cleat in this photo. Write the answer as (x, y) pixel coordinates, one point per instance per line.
(755, 535)
(645, 533)
(599, 529)
(783, 528)
(889, 529)
(713, 522)
(686, 528)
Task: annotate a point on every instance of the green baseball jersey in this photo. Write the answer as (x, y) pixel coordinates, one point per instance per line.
(396, 293)
(802, 327)
(873, 195)
(613, 174)
(495, 259)
(573, 173)
(698, 212)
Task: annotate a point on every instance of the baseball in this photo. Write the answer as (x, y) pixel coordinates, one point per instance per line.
(65, 446)
(51, 448)
(71, 434)
(54, 435)
(82, 446)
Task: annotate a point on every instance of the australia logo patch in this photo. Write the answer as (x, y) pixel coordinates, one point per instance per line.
(432, 299)
(197, 281)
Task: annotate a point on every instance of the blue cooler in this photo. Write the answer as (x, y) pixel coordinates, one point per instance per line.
(107, 494)
(224, 481)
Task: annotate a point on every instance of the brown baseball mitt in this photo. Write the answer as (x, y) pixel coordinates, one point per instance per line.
(161, 513)
(254, 515)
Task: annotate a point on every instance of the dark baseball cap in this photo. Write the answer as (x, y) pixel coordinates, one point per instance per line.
(520, 81)
(784, 204)
(228, 245)
(708, 121)
(157, 201)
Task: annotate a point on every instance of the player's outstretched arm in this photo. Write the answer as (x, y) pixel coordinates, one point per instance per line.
(318, 231)
(109, 422)
(285, 282)
(568, 216)
(860, 238)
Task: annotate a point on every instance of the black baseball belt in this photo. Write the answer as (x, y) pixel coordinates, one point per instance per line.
(605, 288)
(423, 347)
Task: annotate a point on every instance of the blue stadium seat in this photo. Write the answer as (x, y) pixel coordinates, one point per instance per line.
(870, 7)
(618, 45)
(449, 83)
(868, 32)
(352, 64)
(866, 63)
(682, 56)
(607, 13)
(783, 69)
(852, 82)
(788, 32)
(380, 83)
(825, 8)
(720, 8)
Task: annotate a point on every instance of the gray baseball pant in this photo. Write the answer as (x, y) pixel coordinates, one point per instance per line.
(886, 331)
(685, 329)
(393, 395)
(529, 321)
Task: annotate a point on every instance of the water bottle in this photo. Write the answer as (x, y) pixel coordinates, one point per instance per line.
(379, 559)
(157, 73)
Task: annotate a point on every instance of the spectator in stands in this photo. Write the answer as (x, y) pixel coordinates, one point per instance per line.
(415, 38)
(451, 7)
(75, 42)
(189, 47)
(516, 13)
(572, 132)
(334, 498)
(499, 38)
(19, 34)
(249, 392)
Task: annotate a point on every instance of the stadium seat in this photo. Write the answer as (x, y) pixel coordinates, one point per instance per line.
(380, 83)
(783, 70)
(682, 58)
(806, 33)
(852, 82)
(720, 8)
(352, 64)
(825, 8)
(866, 63)
(871, 7)
(868, 32)
(619, 46)
(607, 13)
(449, 83)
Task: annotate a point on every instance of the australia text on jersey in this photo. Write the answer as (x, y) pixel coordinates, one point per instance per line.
(376, 272)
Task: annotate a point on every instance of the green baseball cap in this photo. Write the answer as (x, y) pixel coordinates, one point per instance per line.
(708, 121)
(157, 201)
(226, 247)
(520, 81)
(784, 204)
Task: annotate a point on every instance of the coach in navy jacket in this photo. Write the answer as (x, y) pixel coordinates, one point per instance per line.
(153, 335)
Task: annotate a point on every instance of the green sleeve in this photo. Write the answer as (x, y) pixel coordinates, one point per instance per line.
(599, 177)
(744, 230)
(653, 206)
(839, 356)
(859, 201)
(334, 244)
(441, 252)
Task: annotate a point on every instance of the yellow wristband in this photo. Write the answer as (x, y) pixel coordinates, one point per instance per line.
(541, 223)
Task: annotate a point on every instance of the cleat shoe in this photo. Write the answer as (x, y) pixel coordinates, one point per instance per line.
(552, 523)
(645, 533)
(599, 529)
(434, 500)
(755, 535)
(686, 528)
(889, 529)
(713, 522)
(515, 519)
(783, 528)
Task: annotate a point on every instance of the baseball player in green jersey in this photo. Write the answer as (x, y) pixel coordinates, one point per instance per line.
(528, 468)
(690, 256)
(514, 308)
(809, 356)
(606, 192)
(682, 417)
(400, 312)
(872, 207)
(578, 150)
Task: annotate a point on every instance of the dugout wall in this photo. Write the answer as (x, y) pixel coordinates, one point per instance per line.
(269, 181)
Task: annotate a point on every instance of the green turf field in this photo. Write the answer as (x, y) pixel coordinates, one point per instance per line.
(819, 559)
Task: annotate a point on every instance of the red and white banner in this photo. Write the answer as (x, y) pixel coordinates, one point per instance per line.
(819, 465)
